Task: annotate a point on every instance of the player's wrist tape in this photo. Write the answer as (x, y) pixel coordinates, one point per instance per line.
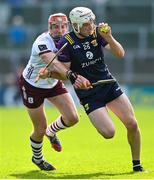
(72, 76)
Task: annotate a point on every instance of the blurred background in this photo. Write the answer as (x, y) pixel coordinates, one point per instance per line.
(132, 25)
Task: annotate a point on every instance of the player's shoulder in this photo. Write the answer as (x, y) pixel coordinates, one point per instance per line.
(43, 43)
(67, 38)
(44, 37)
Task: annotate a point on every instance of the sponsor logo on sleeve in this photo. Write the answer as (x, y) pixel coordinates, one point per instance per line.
(42, 47)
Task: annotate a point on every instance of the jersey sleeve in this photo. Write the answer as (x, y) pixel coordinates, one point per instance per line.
(103, 42)
(65, 55)
(41, 47)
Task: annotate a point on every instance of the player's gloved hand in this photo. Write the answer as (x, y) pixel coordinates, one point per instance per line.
(78, 81)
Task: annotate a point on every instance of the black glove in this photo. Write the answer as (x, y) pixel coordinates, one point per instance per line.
(72, 76)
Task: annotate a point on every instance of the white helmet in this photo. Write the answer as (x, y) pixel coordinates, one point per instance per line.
(81, 15)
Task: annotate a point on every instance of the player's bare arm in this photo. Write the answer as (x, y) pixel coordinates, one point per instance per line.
(61, 71)
(113, 45)
(56, 69)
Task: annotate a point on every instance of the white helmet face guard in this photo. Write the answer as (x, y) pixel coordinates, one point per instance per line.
(58, 21)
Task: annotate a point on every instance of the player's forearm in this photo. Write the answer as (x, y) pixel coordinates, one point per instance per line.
(115, 47)
(58, 70)
(56, 75)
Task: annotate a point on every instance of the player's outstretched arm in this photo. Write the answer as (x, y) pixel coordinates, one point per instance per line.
(78, 81)
(56, 70)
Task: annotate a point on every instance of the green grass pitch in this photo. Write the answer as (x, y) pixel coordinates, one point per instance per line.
(85, 155)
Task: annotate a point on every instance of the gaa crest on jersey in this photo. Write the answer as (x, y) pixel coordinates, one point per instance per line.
(76, 47)
(94, 42)
(42, 47)
(89, 55)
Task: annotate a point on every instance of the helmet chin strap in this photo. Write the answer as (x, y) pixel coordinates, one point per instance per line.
(76, 30)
